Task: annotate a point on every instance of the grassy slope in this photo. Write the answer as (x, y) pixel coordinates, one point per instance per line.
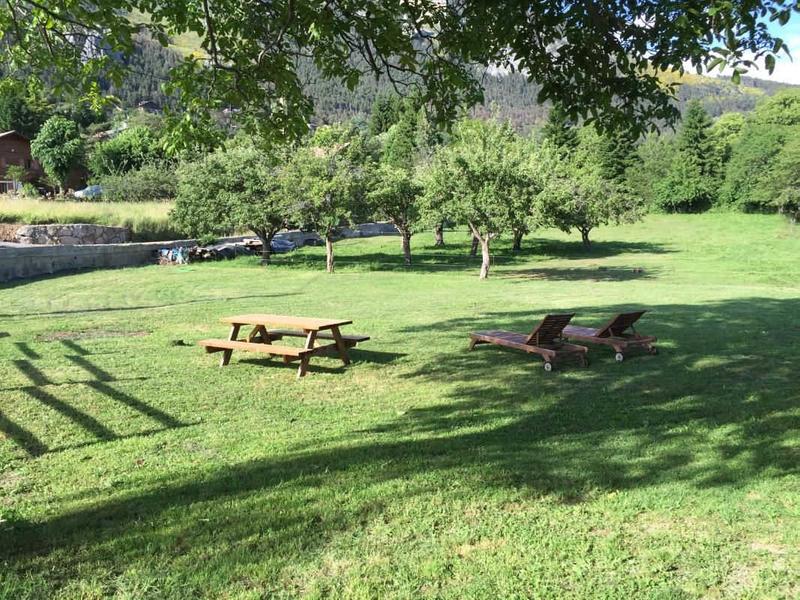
(147, 220)
(137, 467)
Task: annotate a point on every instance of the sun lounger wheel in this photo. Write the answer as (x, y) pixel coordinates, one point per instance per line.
(652, 350)
(619, 357)
(548, 366)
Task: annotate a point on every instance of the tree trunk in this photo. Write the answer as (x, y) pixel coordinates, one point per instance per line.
(473, 252)
(405, 237)
(329, 252)
(485, 257)
(587, 243)
(438, 235)
(518, 233)
(265, 237)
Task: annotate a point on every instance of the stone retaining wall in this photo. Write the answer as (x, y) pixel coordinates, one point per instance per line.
(21, 262)
(72, 234)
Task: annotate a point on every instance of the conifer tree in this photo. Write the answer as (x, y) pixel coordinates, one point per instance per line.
(694, 140)
(559, 130)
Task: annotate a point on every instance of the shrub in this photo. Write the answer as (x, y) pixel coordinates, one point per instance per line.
(779, 188)
(129, 150)
(28, 190)
(684, 189)
(751, 157)
(149, 183)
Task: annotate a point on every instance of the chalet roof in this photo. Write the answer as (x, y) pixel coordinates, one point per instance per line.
(13, 133)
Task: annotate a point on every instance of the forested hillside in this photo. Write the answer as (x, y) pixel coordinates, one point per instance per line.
(508, 96)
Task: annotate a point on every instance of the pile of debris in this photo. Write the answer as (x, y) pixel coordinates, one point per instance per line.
(247, 247)
(186, 254)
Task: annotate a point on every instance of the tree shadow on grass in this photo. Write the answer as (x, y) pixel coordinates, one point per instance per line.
(40, 392)
(718, 407)
(330, 363)
(26, 349)
(455, 256)
(565, 249)
(581, 274)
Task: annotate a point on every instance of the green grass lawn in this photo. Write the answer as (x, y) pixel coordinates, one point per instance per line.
(133, 466)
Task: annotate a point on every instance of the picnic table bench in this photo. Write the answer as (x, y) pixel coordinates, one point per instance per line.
(267, 329)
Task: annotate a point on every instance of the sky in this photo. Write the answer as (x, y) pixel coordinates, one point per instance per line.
(785, 70)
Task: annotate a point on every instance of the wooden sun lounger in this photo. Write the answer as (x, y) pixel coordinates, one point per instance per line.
(546, 340)
(618, 333)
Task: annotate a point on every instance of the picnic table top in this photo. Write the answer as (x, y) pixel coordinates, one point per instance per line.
(310, 323)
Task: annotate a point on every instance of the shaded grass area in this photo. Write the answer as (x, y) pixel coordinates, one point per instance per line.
(148, 221)
(134, 466)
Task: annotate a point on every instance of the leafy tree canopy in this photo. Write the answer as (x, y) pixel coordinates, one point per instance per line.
(326, 179)
(59, 148)
(22, 108)
(582, 194)
(236, 187)
(751, 157)
(595, 59)
(724, 133)
(781, 109)
(780, 187)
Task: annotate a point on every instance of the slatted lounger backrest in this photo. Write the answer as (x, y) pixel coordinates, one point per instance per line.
(620, 323)
(549, 330)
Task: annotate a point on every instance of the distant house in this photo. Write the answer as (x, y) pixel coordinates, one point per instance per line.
(15, 149)
(149, 106)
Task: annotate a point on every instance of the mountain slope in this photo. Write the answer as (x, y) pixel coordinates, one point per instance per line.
(508, 96)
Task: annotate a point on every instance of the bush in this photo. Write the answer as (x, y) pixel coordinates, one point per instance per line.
(684, 189)
(129, 150)
(150, 183)
(28, 190)
(751, 158)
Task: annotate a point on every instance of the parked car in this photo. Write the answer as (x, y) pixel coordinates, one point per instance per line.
(89, 193)
(282, 245)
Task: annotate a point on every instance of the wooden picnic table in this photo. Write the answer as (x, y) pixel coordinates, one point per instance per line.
(266, 329)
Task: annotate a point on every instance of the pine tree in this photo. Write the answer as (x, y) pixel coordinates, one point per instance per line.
(386, 111)
(694, 140)
(618, 154)
(559, 130)
(689, 186)
(401, 149)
